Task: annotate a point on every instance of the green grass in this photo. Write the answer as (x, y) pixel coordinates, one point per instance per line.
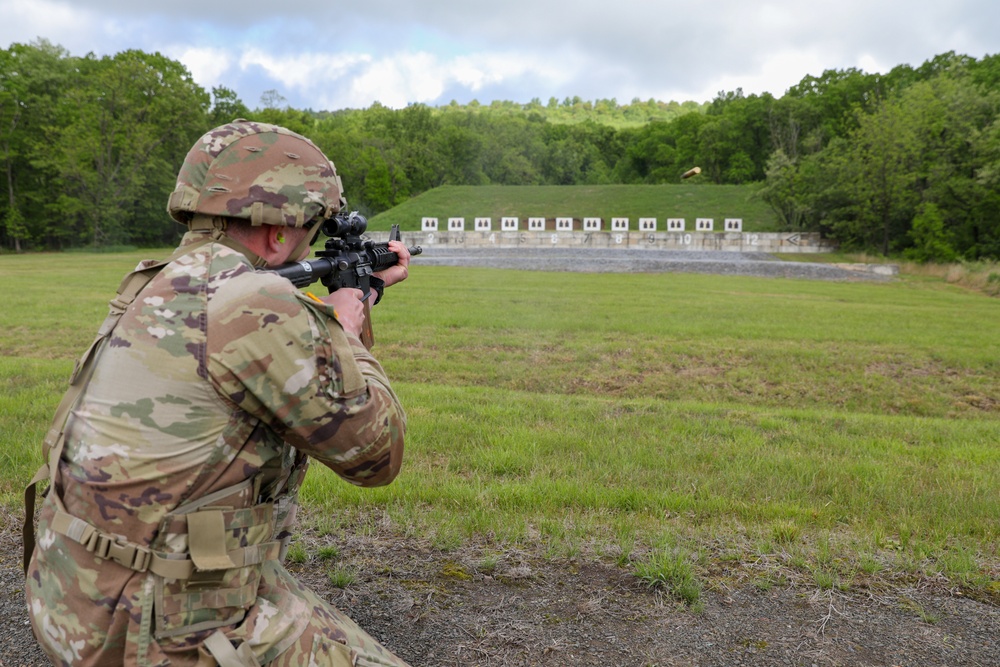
(834, 432)
(672, 572)
(604, 201)
(297, 554)
(979, 275)
(342, 577)
(30, 390)
(328, 552)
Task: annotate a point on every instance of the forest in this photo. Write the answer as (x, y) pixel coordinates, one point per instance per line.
(904, 163)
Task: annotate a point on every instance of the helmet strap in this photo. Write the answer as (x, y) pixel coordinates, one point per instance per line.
(306, 241)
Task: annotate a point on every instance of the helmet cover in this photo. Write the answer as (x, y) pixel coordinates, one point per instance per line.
(259, 172)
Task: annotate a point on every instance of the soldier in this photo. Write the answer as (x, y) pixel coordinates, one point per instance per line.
(176, 458)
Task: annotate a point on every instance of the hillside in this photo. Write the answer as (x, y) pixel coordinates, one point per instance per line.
(579, 201)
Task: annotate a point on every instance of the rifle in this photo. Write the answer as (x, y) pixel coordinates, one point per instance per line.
(347, 260)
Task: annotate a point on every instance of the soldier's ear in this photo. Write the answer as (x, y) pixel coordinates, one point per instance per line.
(275, 237)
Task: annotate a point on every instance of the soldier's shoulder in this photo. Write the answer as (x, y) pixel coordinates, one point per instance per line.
(235, 282)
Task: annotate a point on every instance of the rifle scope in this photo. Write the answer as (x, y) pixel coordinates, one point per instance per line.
(345, 224)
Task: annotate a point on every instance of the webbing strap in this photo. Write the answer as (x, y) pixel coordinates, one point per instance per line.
(222, 650)
(306, 241)
(139, 558)
(28, 528)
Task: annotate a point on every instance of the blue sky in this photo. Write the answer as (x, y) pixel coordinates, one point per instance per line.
(327, 55)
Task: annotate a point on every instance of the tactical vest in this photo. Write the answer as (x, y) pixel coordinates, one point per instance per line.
(206, 556)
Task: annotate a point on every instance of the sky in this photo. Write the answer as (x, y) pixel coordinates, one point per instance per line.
(331, 54)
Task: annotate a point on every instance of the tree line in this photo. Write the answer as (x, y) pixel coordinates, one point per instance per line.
(902, 163)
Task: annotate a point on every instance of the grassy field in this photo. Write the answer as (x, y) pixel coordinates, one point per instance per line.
(604, 201)
(687, 427)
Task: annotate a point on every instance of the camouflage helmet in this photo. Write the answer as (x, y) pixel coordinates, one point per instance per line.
(258, 172)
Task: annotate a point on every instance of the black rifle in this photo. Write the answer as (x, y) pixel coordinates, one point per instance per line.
(347, 260)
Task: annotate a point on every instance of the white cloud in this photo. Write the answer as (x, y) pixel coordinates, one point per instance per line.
(60, 23)
(397, 81)
(868, 63)
(303, 71)
(482, 69)
(404, 78)
(403, 51)
(207, 65)
(775, 74)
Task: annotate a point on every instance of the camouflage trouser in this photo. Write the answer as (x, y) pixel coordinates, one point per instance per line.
(288, 624)
(89, 607)
(326, 636)
(322, 643)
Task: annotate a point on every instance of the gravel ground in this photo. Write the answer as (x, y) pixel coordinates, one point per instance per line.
(439, 608)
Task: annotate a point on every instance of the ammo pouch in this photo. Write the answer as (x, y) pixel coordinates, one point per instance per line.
(222, 547)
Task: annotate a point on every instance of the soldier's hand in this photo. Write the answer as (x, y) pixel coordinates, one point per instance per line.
(398, 271)
(350, 309)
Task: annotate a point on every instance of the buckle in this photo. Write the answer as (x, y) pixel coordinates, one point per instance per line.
(126, 554)
(129, 555)
(117, 306)
(99, 544)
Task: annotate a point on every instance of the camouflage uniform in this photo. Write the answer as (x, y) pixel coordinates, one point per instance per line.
(161, 541)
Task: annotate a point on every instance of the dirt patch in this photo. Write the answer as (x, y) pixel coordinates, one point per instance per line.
(494, 607)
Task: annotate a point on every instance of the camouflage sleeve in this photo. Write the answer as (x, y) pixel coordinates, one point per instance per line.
(284, 359)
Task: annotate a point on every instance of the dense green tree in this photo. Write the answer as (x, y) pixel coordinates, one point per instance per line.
(950, 115)
(116, 151)
(986, 238)
(12, 95)
(574, 154)
(32, 79)
(376, 189)
(226, 107)
(906, 161)
(930, 240)
(785, 190)
(735, 143)
(878, 169)
(459, 145)
(913, 170)
(831, 102)
(660, 152)
(514, 150)
(295, 120)
(417, 164)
